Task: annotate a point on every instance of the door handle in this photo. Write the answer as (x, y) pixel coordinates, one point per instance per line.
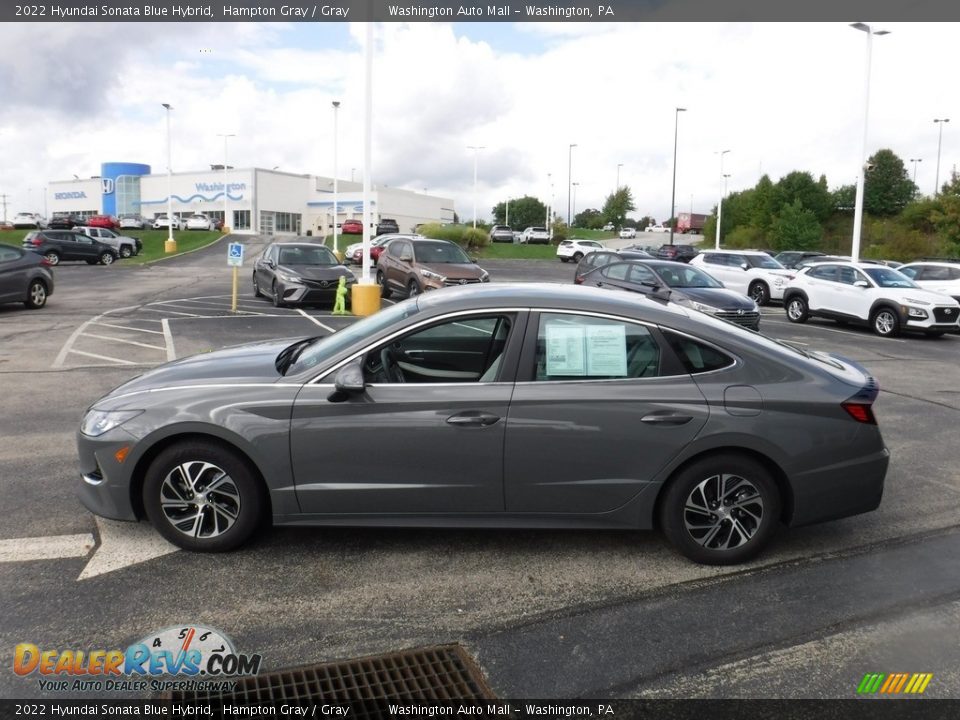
(473, 418)
(670, 419)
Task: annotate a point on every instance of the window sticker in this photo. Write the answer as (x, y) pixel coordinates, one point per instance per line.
(565, 350)
(606, 350)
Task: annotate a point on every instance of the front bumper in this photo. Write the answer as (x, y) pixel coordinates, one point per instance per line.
(104, 487)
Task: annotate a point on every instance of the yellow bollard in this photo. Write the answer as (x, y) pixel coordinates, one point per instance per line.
(169, 246)
(365, 299)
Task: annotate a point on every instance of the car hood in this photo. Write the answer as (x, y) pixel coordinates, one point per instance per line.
(455, 271)
(924, 296)
(719, 298)
(316, 272)
(250, 363)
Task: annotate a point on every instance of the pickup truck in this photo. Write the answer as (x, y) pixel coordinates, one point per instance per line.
(535, 235)
(125, 246)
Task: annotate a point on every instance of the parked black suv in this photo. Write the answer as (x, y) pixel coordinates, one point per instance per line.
(387, 225)
(64, 222)
(681, 253)
(57, 245)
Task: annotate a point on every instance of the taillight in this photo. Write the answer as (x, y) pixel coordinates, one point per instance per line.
(36, 241)
(578, 279)
(44, 261)
(859, 411)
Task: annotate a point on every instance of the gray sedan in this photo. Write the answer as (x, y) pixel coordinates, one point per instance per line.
(495, 406)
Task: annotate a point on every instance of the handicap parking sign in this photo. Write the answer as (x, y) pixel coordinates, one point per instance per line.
(235, 254)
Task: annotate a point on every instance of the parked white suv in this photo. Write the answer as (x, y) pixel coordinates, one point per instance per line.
(942, 277)
(124, 245)
(875, 295)
(28, 220)
(751, 272)
(161, 222)
(574, 250)
(535, 235)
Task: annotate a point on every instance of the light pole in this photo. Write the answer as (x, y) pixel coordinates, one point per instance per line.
(569, 177)
(476, 151)
(936, 182)
(574, 199)
(719, 204)
(549, 205)
(861, 179)
(336, 187)
(170, 246)
(619, 165)
(226, 228)
(915, 161)
(673, 191)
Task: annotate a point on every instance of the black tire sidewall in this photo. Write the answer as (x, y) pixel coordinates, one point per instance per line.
(682, 484)
(803, 315)
(252, 501)
(764, 293)
(29, 301)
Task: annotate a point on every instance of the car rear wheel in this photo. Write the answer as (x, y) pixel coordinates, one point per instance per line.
(106, 258)
(885, 322)
(202, 496)
(382, 282)
(52, 258)
(563, 259)
(797, 310)
(759, 293)
(36, 295)
(721, 510)
(577, 257)
(125, 251)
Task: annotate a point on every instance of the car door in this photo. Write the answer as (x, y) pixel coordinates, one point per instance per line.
(13, 274)
(846, 298)
(819, 286)
(600, 406)
(430, 441)
(396, 271)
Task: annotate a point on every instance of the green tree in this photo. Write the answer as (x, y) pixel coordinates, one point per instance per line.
(591, 219)
(762, 210)
(843, 198)
(617, 205)
(801, 186)
(524, 212)
(795, 228)
(888, 189)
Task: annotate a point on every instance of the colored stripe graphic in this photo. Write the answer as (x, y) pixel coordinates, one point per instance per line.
(894, 683)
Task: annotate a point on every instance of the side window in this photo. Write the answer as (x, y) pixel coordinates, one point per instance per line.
(911, 272)
(642, 274)
(736, 260)
(8, 254)
(578, 347)
(955, 273)
(714, 259)
(616, 271)
(824, 272)
(847, 275)
(465, 350)
(590, 261)
(697, 357)
(934, 272)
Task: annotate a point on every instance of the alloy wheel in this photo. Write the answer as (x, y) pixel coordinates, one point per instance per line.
(723, 512)
(199, 499)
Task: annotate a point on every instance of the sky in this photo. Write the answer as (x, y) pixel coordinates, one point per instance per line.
(779, 97)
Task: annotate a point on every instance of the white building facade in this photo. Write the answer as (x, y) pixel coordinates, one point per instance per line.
(258, 201)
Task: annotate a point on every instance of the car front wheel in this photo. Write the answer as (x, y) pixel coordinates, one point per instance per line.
(106, 258)
(885, 323)
(36, 295)
(382, 282)
(797, 310)
(256, 286)
(721, 510)
(413, 288)
(759, 293)
(202, 496)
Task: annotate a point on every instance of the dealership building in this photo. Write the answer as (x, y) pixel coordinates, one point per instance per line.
(258, 201)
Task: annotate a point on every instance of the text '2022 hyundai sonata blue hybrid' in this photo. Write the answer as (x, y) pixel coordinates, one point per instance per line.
(475, 398)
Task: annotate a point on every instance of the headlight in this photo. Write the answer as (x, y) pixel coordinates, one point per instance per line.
(485, 277)
(430, 275)
(288, 278)
(916, 302)
(916, 312)
(704, 308)
(97, 422)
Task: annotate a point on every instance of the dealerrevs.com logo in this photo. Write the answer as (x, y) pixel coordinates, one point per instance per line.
(203, 655)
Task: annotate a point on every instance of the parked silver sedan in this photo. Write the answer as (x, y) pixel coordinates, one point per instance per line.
(495, 406)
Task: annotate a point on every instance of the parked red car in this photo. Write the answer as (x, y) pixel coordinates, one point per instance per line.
(375, 251)
(351, 227)
(104, 221)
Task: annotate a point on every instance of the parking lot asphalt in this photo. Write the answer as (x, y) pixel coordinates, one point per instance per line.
(574, 603)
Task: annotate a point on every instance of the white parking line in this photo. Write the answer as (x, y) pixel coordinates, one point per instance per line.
(62, 355)
(168, 338)
(835, 330)
(313, 319)
(103, 357)
(121, 340)
(173, 312)
(126, 327)
(46, 548)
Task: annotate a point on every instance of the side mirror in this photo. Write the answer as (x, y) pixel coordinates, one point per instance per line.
(744, 266)
(348, 381)
(863, 284)
(406, 258)
(271, 264)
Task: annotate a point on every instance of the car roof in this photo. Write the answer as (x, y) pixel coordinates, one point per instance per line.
(735, 252)
(931, 263)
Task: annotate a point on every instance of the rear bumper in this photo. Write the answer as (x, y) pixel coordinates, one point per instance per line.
(839, 491)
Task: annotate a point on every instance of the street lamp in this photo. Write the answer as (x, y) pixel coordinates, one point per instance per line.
(170, 246)
(861, 179)
(226, 228)
(673, 191)
(549, 205)
(719, 204)
(569, 177)
(619, 165)
(574, 199)
(476, 151)
(915, 161)
(936, 183)
(336, 187)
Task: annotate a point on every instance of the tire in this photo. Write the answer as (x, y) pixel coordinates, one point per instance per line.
(715, 483)
(125, 251)
(797, 310)
(221, 520)
(107, 258)
(92, 262)
(577, 257)
(256, 287)
(759, 293)
(52, 257)
(384, 290)
(413, 288)
(564, 260)
(885, 322)
(36, 295)
(277, 302)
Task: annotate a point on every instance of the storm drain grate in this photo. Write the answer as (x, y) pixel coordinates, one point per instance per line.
(443, 672)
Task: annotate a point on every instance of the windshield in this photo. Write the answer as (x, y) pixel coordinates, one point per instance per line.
(687, 277)
(307, 255)
(328, 347)
(433, 253)
(889, 278)
(764, 261)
